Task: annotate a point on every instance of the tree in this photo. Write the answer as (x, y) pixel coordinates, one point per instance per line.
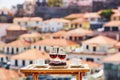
(106, 14)
(54, 2)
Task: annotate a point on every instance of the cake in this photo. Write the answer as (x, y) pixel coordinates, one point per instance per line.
(57, 63)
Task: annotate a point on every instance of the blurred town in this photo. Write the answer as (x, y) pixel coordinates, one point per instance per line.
(87, 29)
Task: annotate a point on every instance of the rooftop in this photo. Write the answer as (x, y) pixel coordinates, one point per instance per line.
(55, 42)
(15, 27)
(113, 58)
(101, 40)
(112, 24)
(18, 43)
(8, 74)
(32, 54)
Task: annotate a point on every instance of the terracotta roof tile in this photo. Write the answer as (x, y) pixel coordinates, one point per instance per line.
(75, 16)
(59, 33)
(112, 58)
(15, 27)
(31, 35)
(112, 24)
(8, 74)
(101, 40)
(80, 31)
(79, 20)
(117, 45)
(18, 43)
(2, 55)
(92, 15)
(55, 42)
(28, 19)
(31, 54)
(116, 14)
(57, 20)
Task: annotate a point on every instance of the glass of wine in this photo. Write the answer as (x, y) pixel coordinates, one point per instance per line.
(62, 55)
(53, 54)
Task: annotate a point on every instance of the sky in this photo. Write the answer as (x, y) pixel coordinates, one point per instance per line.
(9, 3)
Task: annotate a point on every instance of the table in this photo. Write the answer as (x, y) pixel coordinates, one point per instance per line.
(32, 69)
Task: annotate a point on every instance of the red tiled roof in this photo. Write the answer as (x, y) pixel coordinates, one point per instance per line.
(101, 40)
(31, 54)
(112, 58)
(117, 45)
(59, 33)
(55, 42)
(79, 20)
(31, 35)
(92, 15)
(112, 24)
(76, 15)
(18, 43)
(80, 31)
(8, 74)
(15, 27)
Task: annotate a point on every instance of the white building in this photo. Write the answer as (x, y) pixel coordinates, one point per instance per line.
(28, 22)
(93, 18)
(15, 47)
(3, 58)
(56, 44)
(31, 37)
(96, 48)
(29, 57)
(54, 25)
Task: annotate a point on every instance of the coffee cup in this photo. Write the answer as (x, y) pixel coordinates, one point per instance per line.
(40, 62)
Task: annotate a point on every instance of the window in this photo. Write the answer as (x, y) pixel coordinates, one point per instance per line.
(57, 50)
(7, 49)
(90, 59)
(75, 38)
(119, 49)
(45, 48)
(94, 48)
(70, 37)
(87, 47)
(24, 48)
(25, 23)
(34, 47)
(1, 59)
(17, 50)
(75, 25)
(23, 62)
(39, 48)
(98, 59)
(114, 18)
(80, 38)
(107, 29)
(18, 23)
(114, 28)
(37, 22)
(16, 63)
(31, 62)
(12, 52)
(92, 19)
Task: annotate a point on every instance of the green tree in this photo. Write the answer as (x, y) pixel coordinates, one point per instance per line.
(54, 2)
(106, 14)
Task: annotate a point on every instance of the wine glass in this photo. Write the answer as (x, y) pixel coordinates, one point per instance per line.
(62, 54)
(53, 53)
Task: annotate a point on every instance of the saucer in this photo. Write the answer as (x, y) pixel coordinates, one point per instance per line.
(76, 66)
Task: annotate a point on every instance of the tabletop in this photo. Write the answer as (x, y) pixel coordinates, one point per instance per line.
(36, 69)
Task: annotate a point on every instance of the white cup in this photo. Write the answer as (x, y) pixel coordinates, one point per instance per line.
(75, 61)
(40, 62)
